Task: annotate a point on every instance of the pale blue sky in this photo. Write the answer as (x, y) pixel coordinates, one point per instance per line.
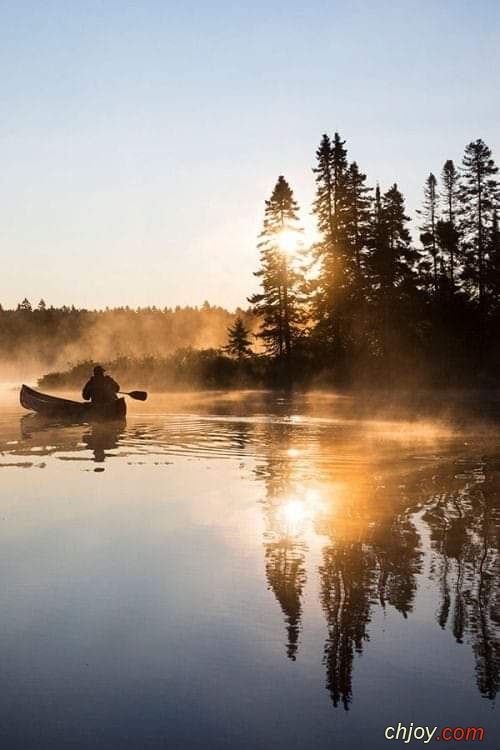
(139, 139)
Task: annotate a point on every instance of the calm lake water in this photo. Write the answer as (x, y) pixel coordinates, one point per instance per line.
(246, 572)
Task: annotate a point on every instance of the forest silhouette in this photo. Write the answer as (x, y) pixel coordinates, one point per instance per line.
(368, 303)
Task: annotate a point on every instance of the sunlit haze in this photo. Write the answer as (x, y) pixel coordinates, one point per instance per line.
(140, 140)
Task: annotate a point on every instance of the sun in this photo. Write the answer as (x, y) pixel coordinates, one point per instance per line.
(288, 240)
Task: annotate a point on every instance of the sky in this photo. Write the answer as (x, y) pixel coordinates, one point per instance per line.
(139, 140)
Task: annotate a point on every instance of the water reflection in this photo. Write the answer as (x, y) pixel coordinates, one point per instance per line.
(374, 521)
(285, 564)
(101, 438)
(465, 533)
(366, 562)
(47, 437)
(367, 555)
(390, 507)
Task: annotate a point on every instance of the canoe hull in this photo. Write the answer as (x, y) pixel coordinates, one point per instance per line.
(62, 408)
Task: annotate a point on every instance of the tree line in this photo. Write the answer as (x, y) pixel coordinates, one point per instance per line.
(48, 336)
(368, 303)
(367, 300)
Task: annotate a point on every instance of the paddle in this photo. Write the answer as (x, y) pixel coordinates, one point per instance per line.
(138, 395)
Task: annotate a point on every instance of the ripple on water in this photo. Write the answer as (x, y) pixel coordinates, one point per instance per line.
(314, 444)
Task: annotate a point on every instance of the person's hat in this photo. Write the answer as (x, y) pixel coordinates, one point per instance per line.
(98, 370)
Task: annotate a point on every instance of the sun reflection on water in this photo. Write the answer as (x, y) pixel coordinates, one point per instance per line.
(293, 514)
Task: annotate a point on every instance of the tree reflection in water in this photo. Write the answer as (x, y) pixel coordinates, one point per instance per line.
(285, 548)
(371, 556)
(375, 510)
(465, 535)
(286, 576)
(374, 554)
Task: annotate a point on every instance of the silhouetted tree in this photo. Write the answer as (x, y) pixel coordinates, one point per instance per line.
(280, 304)
(398, 262)
(392, 258)
(478, 198)
(447, 230)
(447, 238)
(238, 339)
(377, 309)
(429, 214)
(357, 218)
(25, 305)
(450, 185)
(330, 208)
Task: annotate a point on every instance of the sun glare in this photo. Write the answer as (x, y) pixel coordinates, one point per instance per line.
(294, 513)
(288, 241)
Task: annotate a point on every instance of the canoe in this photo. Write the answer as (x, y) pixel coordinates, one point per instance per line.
(63, 408)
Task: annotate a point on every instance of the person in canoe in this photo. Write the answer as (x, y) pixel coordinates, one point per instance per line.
(101, 388)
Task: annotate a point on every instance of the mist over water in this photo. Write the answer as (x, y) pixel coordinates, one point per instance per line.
(34, 341)
(247, 570)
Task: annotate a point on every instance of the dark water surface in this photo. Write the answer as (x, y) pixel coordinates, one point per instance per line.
(246, 572)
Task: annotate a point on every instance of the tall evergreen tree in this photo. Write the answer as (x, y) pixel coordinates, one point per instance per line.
(478, 198)
(330, 203)
(449, 195)
(357, 219)
(446, 227)
(280, 303)
(429, 214)
(377, 243)
(447, 238)
(392, 293)
(392, 258)
(330, 208)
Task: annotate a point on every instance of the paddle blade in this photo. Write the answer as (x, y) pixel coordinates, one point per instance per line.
(138, 395)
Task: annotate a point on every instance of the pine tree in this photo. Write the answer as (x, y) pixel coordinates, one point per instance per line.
(447, 238)
(25, 305)
(429, 214)
(330, 203)
(357, 218)
(446, 228)
(392, 258)
(280, 303)
(449, 195)
(330, 208)
(392, 290)
(238, 339)
(377, 242)
(478, 198)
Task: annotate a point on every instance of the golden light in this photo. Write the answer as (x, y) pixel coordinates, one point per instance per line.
(288, 241)
(296, 514)
(293, 513)
(314, 271)
(313, 498)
